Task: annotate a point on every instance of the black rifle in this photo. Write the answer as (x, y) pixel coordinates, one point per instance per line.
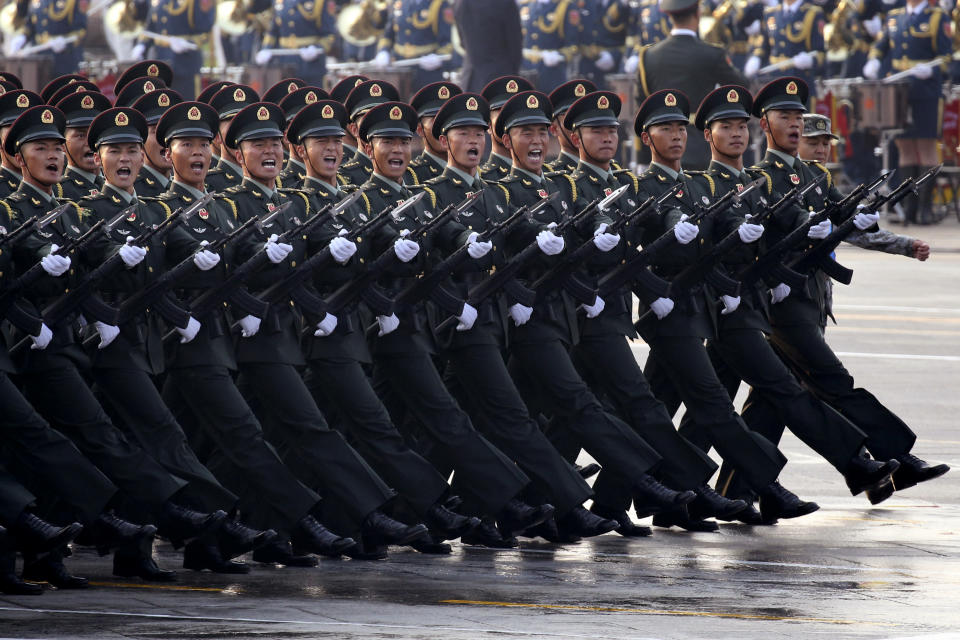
(32, 224)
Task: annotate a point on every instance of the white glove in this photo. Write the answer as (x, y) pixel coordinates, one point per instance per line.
(249, 325)
(41, 341)
(779, 293)
(595, 309)
(431, 62)
(751, 67)
(750, 232)
(277, 251)
(58, 44)
(730, 304)
(55, 265)
(753, 28)
(326, 326)
(873, 25)
(921, 71)
(605, 62)
(263, 57)
(661, 307)
(108, 333)
(551, 58)
(138, 52)
(131, 254)
(310, 53)
(803, 60)
(406, 250)
(467, 317)
(872, 69)
(180, 45)
(865, 218)
(476, 249)
(631, 64)
(550, 243)
(603, 240)
(520, 314)
(205, 260)
(388, 323)
(382, 59)
(342, 249)
(820, 230)
(16, 44)
(685, 231)
(188, 334)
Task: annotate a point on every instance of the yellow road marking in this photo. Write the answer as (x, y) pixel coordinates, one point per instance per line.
(163, 587)
(663, 612)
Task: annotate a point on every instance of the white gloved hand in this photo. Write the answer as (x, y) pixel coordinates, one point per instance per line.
(382, 59)
(595, 309)
(276, 251)
(326, 326)
(188, 334)
(467, 317)
(685, 231)
(753, 28)
(921, 71)
(520, 313)
(263, 57)
(730, 304)
(872, 69)
(603, 240)
(803, 60)
(605, 61)
(820, 230)
(431, 62)
(550, 243)
(180, 45)
(131, 254)
(865, 218)
(205, 260)
(751, 67)
(476, 249)
(388, 323)
(661, 307)
(138, 52)
(342, 249)
(58, 44)
(749, 232)
(310, 53)
(41, 341)
(16, 44)
(873, 25)
(779, 293)
(551, 58)
(55, 265)
(108, 333)
(249, 325)
(406, 250)
(631, 64)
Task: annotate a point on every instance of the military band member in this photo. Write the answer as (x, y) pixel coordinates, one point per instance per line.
(307, 28)
(154, 177)
(648, 25)
(228, 102)
(12, 104)
(82, 176)
(792, 37)
(561, 98)
(496, 94)
(552, 35)
(419, 29)
(60, 25)
(604, 38)
(427, 103)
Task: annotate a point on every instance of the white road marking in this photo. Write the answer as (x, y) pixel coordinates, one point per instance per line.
(882, 307)
(897, 356)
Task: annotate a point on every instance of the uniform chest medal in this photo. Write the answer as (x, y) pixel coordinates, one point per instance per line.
(739, 187)
(679, 194)
(203, 213)
(794, 178)
(607, 191)
(542, 193)
(132, 216)
(704, 199)
(271, 206)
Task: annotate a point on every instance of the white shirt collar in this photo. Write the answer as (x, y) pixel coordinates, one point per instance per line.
(676, 31)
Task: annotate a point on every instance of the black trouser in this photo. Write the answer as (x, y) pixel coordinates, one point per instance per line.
(342, 385)
(225, 417)
(491, 477)
(499, 412)
(319, 456)
(679, 366)
(138, 407)
(52, 461)
(608, 439)
(14, 499)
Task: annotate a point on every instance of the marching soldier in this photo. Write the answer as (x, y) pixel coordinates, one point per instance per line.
(421, 30)
(552, 34)
(339, 92)
(204, 97)
(228, 102)
(427, 103)
(359, 102)
(82, 176)
(63, 92)
(12, 104)
(496, 94)
(561, 98)
(792, 38)
(305, 31)
(158, 71)
(293, 103)
(154, 177)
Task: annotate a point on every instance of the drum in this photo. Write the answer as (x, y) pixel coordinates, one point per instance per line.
(34, 71)
(878, 105)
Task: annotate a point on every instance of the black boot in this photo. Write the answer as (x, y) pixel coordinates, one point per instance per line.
(280, 552)
(236, 539)
(444, 524)
(487, 535)
(10, 584)
(710, 504)
(178, 524)
(551, 532)
(862, 473)
(880, 491)
(680, 517)
(430, 545)
(517, 516)
(361, 551)
(913, 470)
(584, 524)
(32, 535)
(108, 531)
(310, 536)
(204, 553)
(587, 471)
(136, 561)
(650, 497)
(748, 515)
(380, 529)
(777, 502)
(625, 526)
(50, 569)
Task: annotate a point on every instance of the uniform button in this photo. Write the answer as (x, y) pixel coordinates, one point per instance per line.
(361, 261)
(293, 263)
(150, 269)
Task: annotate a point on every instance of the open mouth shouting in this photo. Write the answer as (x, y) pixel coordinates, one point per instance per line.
(330, 162)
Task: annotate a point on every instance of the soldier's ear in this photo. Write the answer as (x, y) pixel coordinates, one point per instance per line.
(443, 142)
(708, 135)
(764, 124)
(554, 129)
(575, 138)
(167, 155)
(506, 142)
(645, 138)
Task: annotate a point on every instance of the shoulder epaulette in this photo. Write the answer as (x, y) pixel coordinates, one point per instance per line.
(573, 186)
(366, 202)
(233, 206)
(436, 180)
(710, 181)
(414, 174)
(234, 189)
(433, 196)
(509, 179)
(6, 205)
(17, 196)
(506, 192)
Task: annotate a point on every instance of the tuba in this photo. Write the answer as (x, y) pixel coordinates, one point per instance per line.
(362, 23)
(232, 17)
(121, 28)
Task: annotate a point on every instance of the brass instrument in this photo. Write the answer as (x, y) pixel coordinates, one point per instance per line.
(11, 22)
(361, 24)
(232, 17)
(712, 27)
(836, 34)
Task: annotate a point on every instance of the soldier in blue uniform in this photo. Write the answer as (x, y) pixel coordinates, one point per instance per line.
(736, 23)
(914, 37)
(648, 25)
(53, 22)
(427, 103)
(552, 33)
(184, 27)
(604, 38)
(419, 29)
(306, 26)
(791, 34)
(82, 176)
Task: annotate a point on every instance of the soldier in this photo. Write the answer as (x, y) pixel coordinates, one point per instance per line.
(427, 103)
(361, 99)
(561, 98)
(58, 83)
(82, 176)
(63, 92)
(791, 37)
(155, 70)
(604, 38)
(307, 28)
(339, 92)
(204, 97)
(154, 177)
(648, 26)
(419, 29)
(60, 25)
(552, 34)
(916, 37)
(136, 89)
(12, 104)
(295, 171)
(496, 94)
(228, 102)
(736, 22)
